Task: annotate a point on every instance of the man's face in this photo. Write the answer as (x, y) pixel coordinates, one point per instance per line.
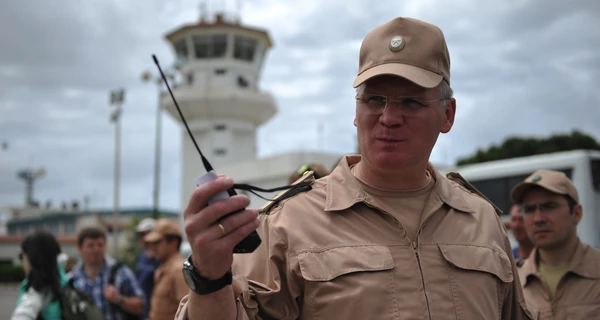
(552, 225)
(92, 250)
(517, 225)
(398, 138)
(159, 250)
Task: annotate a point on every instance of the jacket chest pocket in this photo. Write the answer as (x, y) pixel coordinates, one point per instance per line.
(478, 278)
(352, 282)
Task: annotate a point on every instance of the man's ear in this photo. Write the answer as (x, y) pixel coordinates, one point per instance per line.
(577, 213)
(449, 114)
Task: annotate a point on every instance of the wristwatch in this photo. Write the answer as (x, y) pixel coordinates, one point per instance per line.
(201, 285)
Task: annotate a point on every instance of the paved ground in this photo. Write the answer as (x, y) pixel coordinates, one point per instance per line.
(8, 299)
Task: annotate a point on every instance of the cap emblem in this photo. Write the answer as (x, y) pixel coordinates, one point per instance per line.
(536, 179)
(397, 43)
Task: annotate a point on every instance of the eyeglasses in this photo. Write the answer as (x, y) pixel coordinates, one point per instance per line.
(544, 207)
(374, 104)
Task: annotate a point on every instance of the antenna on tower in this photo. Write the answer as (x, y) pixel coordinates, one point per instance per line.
(202, 11)
(239, 11)
(30, 176)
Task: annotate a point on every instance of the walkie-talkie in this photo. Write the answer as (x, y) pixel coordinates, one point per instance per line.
(252, 241)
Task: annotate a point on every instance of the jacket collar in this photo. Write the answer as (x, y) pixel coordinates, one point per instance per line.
(582, 263)
(344, 190)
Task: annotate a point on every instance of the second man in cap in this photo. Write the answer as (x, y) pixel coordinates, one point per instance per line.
(164, 242)
(561, 277)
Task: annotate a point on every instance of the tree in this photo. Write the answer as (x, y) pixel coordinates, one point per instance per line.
(516, 146)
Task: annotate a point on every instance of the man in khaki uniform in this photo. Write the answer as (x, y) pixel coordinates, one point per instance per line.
(384, 236)
(561, 277)
(169, 286)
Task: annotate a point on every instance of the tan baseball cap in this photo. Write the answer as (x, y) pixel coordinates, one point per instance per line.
(408, 48)
(164, 227)
(551, 180)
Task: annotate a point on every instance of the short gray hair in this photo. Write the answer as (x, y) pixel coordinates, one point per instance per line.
(446, 92)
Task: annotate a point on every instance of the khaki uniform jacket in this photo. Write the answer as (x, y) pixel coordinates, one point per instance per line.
(577, 293)
(169, 288)
(330, 253)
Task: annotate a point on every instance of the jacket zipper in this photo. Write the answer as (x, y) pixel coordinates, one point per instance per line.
(415, 249)
(415, 246)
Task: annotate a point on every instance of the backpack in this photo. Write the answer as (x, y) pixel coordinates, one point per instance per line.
(76, 304)
(111, 281)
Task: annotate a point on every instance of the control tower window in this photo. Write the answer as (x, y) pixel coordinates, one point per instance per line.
(243, 83)
(181, 49)
(244, 48)
(210, 46)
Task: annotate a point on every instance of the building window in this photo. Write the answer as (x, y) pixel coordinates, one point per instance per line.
(244, 48)
(220, 71)
(210, 46)
(242, 83)
(220, 127)
(220, 151)
(181, 49)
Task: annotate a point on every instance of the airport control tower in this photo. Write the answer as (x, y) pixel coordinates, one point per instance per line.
(220, 63)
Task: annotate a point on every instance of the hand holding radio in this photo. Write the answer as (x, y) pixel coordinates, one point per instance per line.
(215, 223)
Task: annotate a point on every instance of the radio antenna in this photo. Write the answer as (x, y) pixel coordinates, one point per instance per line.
(205, 162)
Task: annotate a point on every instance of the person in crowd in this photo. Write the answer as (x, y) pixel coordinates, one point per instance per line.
(91, 275)
(170, 287)
(561, 276)
(146, 264)
(517, 227)
(44, 277)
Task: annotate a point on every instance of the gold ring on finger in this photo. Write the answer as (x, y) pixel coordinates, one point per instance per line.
(222, 229)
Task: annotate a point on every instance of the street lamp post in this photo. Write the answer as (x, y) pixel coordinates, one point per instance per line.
(117, 97)
(147, 77)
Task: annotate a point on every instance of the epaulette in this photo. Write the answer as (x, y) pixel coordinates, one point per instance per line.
(303, 184)
(456, 177)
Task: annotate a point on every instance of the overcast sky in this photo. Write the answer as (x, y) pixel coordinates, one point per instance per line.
(518, 67)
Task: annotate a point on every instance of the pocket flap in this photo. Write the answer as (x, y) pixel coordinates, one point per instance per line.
(478, 258)
(328, 264)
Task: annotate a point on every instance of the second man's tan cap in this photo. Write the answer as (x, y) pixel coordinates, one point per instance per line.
(408, 48)
(164, 227)
(551, 180)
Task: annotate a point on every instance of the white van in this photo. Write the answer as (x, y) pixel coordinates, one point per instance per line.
(495, 179)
